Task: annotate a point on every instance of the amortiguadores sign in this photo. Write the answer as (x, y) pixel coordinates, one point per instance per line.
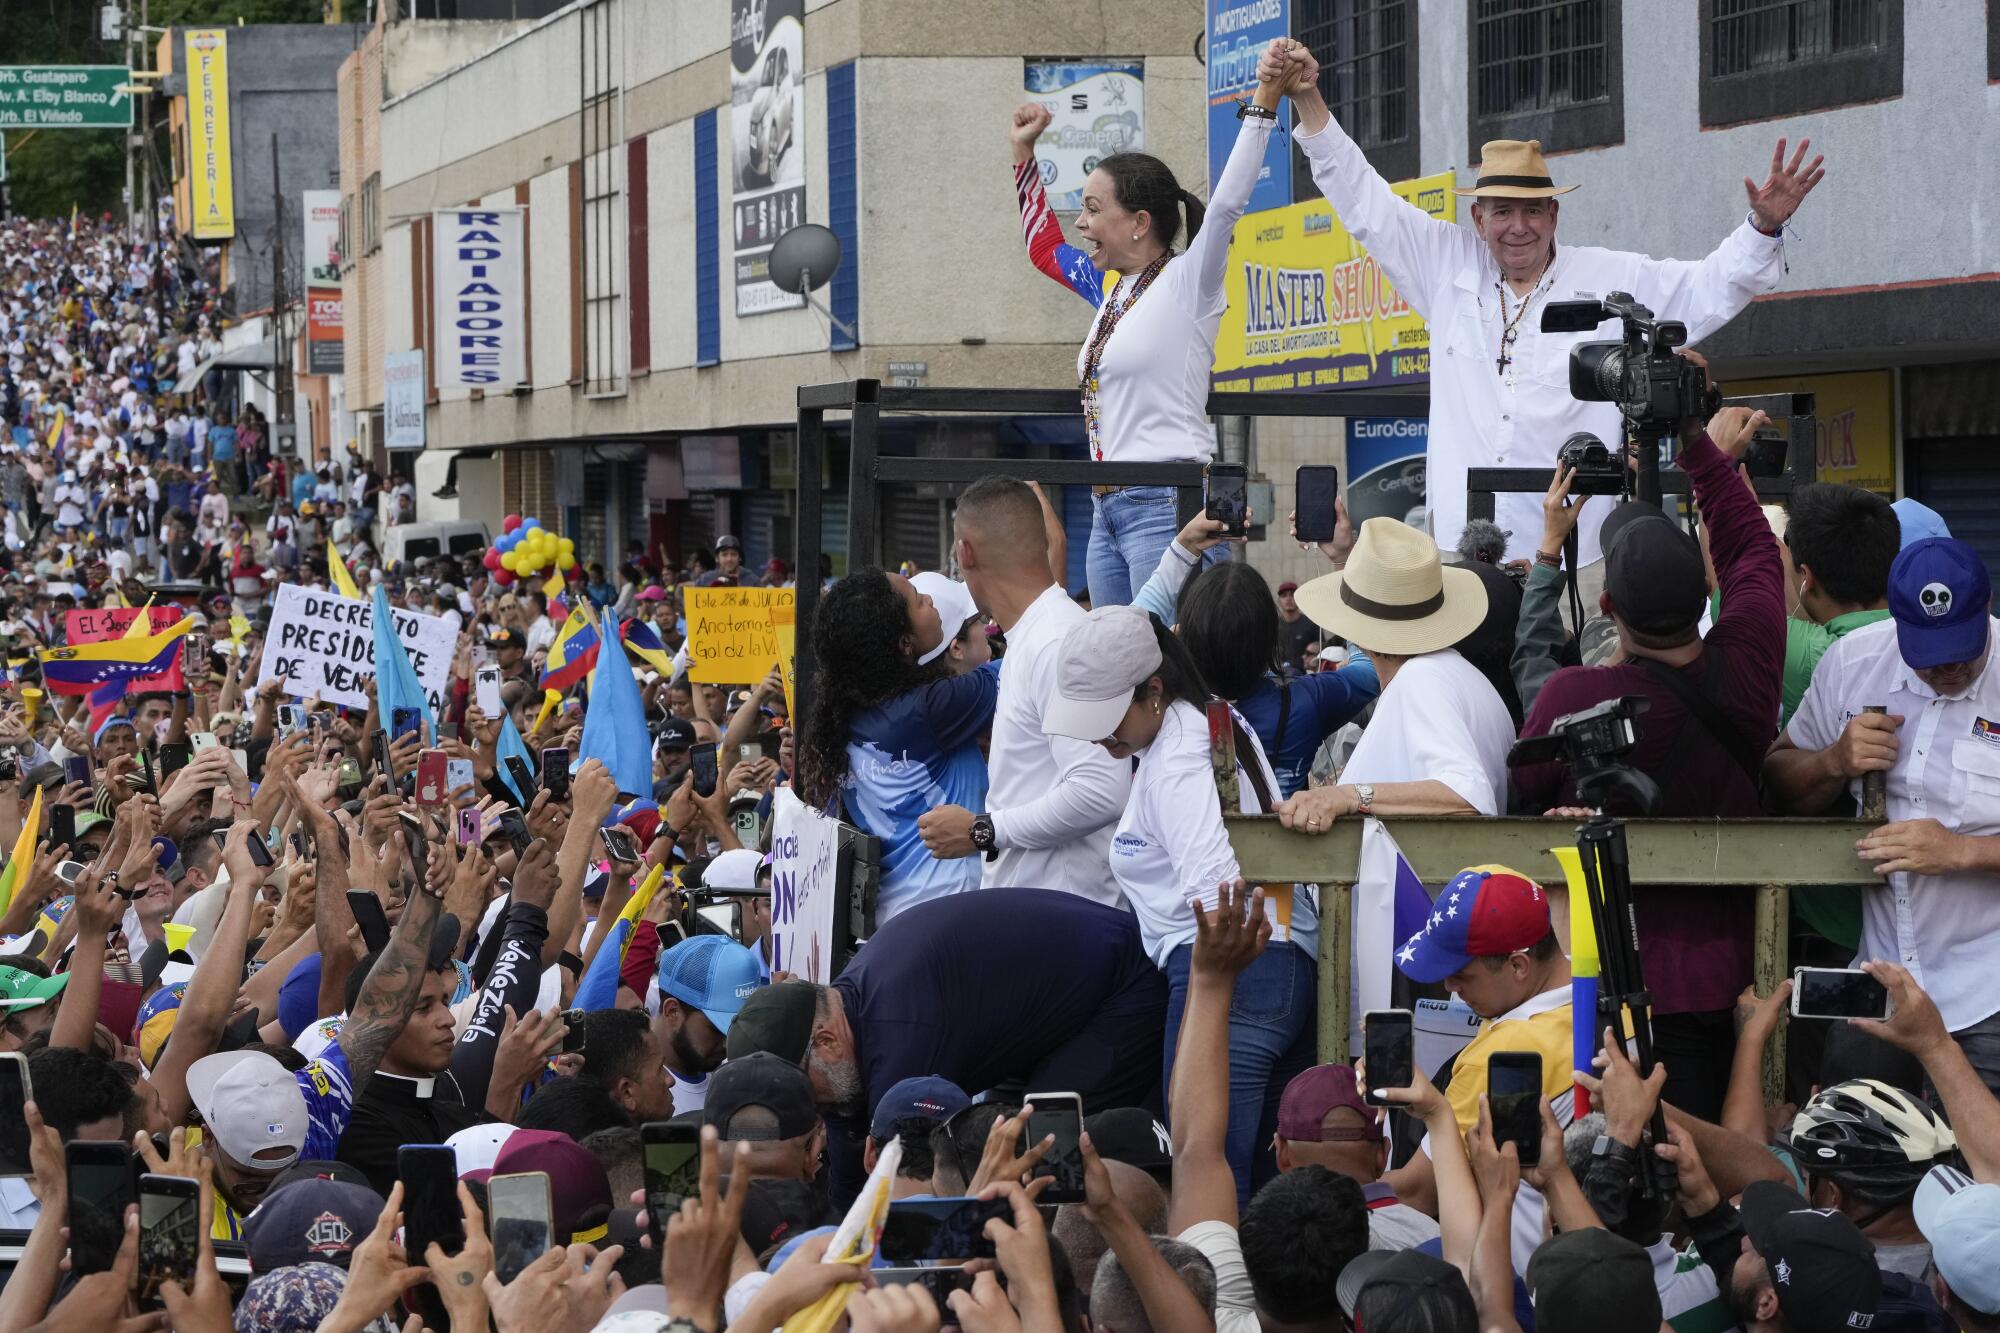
(481, 336)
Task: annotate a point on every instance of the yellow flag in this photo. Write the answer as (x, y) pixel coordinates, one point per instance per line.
(343, 581)
(853, 1241)
(24, 851)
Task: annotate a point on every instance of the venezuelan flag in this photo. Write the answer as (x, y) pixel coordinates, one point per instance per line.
(336, 568)
(84, 667)
(599, 987)
(643, 642)
(573, 653)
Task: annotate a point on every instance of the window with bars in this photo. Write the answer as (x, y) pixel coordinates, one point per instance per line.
(1367, 51)
(1551, 70)
(603, 230)
(1762, 59)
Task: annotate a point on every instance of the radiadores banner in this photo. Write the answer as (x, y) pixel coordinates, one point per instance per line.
(479, 258)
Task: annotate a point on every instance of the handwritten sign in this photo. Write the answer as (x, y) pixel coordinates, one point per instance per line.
(731, 638)
(805, 854)
(100, 625)
(324, 644)
(784, 619)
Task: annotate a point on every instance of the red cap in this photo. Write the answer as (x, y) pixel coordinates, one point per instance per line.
(1311, 1096)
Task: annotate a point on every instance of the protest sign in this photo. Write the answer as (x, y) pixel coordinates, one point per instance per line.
(730, 637)
(323, 644)
(101, 625)
(784, 619)
(805, 887)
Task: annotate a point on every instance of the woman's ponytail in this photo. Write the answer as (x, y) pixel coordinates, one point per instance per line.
(1195, 210)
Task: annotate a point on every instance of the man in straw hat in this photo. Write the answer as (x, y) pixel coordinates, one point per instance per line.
(1499, 385)
(1438, 742)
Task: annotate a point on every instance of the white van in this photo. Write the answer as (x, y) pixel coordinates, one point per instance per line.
(404, 542)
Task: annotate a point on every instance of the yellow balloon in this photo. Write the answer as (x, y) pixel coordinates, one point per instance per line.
(568, 546)
(566, 562)
(510, 561)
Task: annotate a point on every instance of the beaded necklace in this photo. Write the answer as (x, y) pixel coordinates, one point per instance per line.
(1094, 354)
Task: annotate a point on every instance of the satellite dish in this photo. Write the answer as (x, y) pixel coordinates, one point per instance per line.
(804, 259)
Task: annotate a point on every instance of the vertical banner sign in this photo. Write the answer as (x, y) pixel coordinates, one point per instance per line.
(326, 347)
(1386, 468)
(211, 188)
(1099, 108)
(321, 217)
(767, 131)
(805, 870)
(481, 339)
(1238, 32)
(1309, 308)
(403, 399)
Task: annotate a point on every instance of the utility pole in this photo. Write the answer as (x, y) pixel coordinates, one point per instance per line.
(131, 158)
(281, 342)
(147, 221)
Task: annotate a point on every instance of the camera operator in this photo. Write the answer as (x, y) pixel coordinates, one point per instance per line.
(1713, 712)
(1499, 384)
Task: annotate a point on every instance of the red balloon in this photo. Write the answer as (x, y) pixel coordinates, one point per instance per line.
(492, 558)
(511, 522)
(503, 577)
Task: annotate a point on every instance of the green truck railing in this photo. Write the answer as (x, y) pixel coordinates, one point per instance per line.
(1763, 856)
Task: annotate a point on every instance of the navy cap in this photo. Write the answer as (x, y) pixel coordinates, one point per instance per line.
(315, 1220)
(928, 1098)
(1942, 599)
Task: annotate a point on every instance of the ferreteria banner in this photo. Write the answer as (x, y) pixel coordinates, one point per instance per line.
(1310, 309)
(323, 644)
(211, 182)
(481, 336)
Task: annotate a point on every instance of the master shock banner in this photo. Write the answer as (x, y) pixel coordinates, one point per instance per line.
(767, 130)
(1309, 308)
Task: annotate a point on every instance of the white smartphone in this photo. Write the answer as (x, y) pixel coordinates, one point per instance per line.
(486, 691)
(1838, 992)
(201, 740)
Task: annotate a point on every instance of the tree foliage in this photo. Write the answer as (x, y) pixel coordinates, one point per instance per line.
(52, 170)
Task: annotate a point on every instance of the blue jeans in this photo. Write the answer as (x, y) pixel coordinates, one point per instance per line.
(1129, 530)
(1272, 1031)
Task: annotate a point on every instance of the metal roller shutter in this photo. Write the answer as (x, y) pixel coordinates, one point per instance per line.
(767, 530)
(1960, 478)
(911, 530)
(698, 527)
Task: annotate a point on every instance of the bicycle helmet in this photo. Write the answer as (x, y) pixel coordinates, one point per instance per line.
(1867, 1130)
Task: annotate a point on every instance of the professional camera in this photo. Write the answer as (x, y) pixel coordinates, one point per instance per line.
(1591, 744)
(1652, 385)
(1599, 469)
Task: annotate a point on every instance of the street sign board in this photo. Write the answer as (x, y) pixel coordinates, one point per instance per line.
(75, 97)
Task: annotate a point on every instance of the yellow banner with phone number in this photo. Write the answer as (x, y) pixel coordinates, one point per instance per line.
(1310, 309)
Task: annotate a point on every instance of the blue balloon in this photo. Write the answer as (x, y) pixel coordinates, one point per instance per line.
(510, 541)
(531, 523)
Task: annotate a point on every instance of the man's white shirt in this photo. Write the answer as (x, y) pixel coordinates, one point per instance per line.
(1944, 928)
(1479, 415)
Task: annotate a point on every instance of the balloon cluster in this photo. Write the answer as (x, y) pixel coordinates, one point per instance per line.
(525, 547)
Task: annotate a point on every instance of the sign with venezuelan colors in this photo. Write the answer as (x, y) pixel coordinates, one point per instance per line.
(1309, 308)
(211, 186)
(1854, 416)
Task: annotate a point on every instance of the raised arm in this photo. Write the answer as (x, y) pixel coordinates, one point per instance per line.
(389, 994)
(1208, 248)
(1416, 250)
(1039, 229)
(1225, 942)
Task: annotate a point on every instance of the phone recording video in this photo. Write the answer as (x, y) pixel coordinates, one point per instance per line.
(1060, 1114)
(1514, 1091)
(555, 772)
(431, 1211)
(1389, 1046)
(919, 1231)
(701, 763)
(102, 1185)
(519, 1221)
(1226, 496)
(1318, 492)
(169, 1234)
(672, 1161)
(1837, 992)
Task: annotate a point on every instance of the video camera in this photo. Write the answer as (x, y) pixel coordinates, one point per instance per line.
(1653, 386)
(1591, 744)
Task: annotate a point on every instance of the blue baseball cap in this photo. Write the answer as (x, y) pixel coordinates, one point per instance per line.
(1941, 599)
(1485, 912)
(928, 1098)
(111, 724)
(1918, 521)
(712, 974)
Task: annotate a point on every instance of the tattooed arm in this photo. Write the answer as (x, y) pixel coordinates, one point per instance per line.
(389, 995)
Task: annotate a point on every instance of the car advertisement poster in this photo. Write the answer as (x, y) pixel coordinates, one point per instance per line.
(1099, 108)
(1310, 309)
(767, 128)
(1238, 31)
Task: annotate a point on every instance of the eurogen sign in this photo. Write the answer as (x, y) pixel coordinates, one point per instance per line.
(1309, 308)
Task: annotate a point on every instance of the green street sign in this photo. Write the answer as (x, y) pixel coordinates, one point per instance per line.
(73, 97)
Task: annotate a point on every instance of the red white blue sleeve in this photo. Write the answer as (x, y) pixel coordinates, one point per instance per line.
(1051, 254)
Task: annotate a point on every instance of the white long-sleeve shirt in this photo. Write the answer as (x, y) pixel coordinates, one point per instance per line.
(1484, 417)
(1053, 800)
(1153, 374)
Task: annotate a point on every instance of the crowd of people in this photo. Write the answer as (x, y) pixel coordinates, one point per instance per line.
(245, 952)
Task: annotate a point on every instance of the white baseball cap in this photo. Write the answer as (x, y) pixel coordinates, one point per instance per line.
(733, 871)
(954, 604)
(1961, 1220)
(252, 1105)
(1103, 659)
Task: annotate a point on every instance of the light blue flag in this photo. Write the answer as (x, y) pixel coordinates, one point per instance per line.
(614, 726)
(396, 684)
(512, 744)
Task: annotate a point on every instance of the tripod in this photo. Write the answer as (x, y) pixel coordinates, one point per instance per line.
(1607, 879)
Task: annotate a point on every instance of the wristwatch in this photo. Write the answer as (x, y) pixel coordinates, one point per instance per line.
(1613, 1149)
(1364, 798)
(982, 836)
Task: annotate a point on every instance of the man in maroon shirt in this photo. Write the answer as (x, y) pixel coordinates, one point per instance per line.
(1694, 944)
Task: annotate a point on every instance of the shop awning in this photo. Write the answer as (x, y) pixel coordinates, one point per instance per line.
(255, 356)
